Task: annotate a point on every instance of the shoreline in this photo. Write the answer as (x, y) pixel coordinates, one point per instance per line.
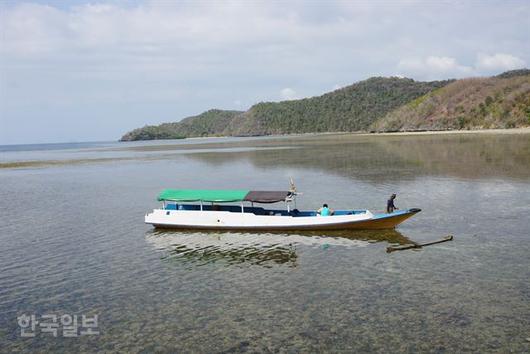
(525, 130)
(230, 142)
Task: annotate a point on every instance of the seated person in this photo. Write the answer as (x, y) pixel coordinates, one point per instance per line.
(325, 211)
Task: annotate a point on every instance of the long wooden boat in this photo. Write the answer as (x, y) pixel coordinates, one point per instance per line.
(215, 210)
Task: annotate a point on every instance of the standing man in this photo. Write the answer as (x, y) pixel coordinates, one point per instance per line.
(390, 207)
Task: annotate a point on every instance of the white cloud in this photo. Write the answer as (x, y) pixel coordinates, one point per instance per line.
(499, 62)
(433, 67)
(288, 94)
(164, 60)
(445, 64)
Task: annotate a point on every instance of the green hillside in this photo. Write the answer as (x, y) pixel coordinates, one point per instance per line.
(209, 123)
(502, 101)
(351, 108)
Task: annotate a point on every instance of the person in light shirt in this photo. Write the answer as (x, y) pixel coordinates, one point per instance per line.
(325, 211)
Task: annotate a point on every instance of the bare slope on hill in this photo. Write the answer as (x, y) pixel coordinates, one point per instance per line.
(477, 103)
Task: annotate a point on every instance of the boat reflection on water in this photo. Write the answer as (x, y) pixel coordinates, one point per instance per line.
(263, 249)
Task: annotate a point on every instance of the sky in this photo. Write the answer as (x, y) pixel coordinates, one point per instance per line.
(90, 71)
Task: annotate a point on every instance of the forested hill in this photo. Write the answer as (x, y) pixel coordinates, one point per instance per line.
(351, 108)
(380, 104)
(209, 123)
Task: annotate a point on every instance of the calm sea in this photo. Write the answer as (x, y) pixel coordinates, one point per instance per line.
(73, 243)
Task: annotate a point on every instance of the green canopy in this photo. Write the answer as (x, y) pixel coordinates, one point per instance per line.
(205, 195)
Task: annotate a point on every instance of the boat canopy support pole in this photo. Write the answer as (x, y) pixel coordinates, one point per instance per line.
(242, 208)
(201, 205)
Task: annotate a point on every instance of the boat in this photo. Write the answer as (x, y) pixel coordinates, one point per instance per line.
(215, 210)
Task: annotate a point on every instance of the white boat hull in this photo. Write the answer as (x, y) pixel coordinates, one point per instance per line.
(225, 220)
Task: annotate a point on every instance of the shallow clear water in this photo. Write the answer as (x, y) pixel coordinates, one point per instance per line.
(73, 242)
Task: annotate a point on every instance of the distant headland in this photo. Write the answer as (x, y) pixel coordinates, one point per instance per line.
(377, 104)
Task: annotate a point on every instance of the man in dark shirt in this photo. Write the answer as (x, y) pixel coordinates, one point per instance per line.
(390, 207)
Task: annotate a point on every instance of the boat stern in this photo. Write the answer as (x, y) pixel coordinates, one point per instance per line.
(388, 220)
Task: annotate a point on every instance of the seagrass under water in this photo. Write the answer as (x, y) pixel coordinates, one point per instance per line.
(73, 242)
